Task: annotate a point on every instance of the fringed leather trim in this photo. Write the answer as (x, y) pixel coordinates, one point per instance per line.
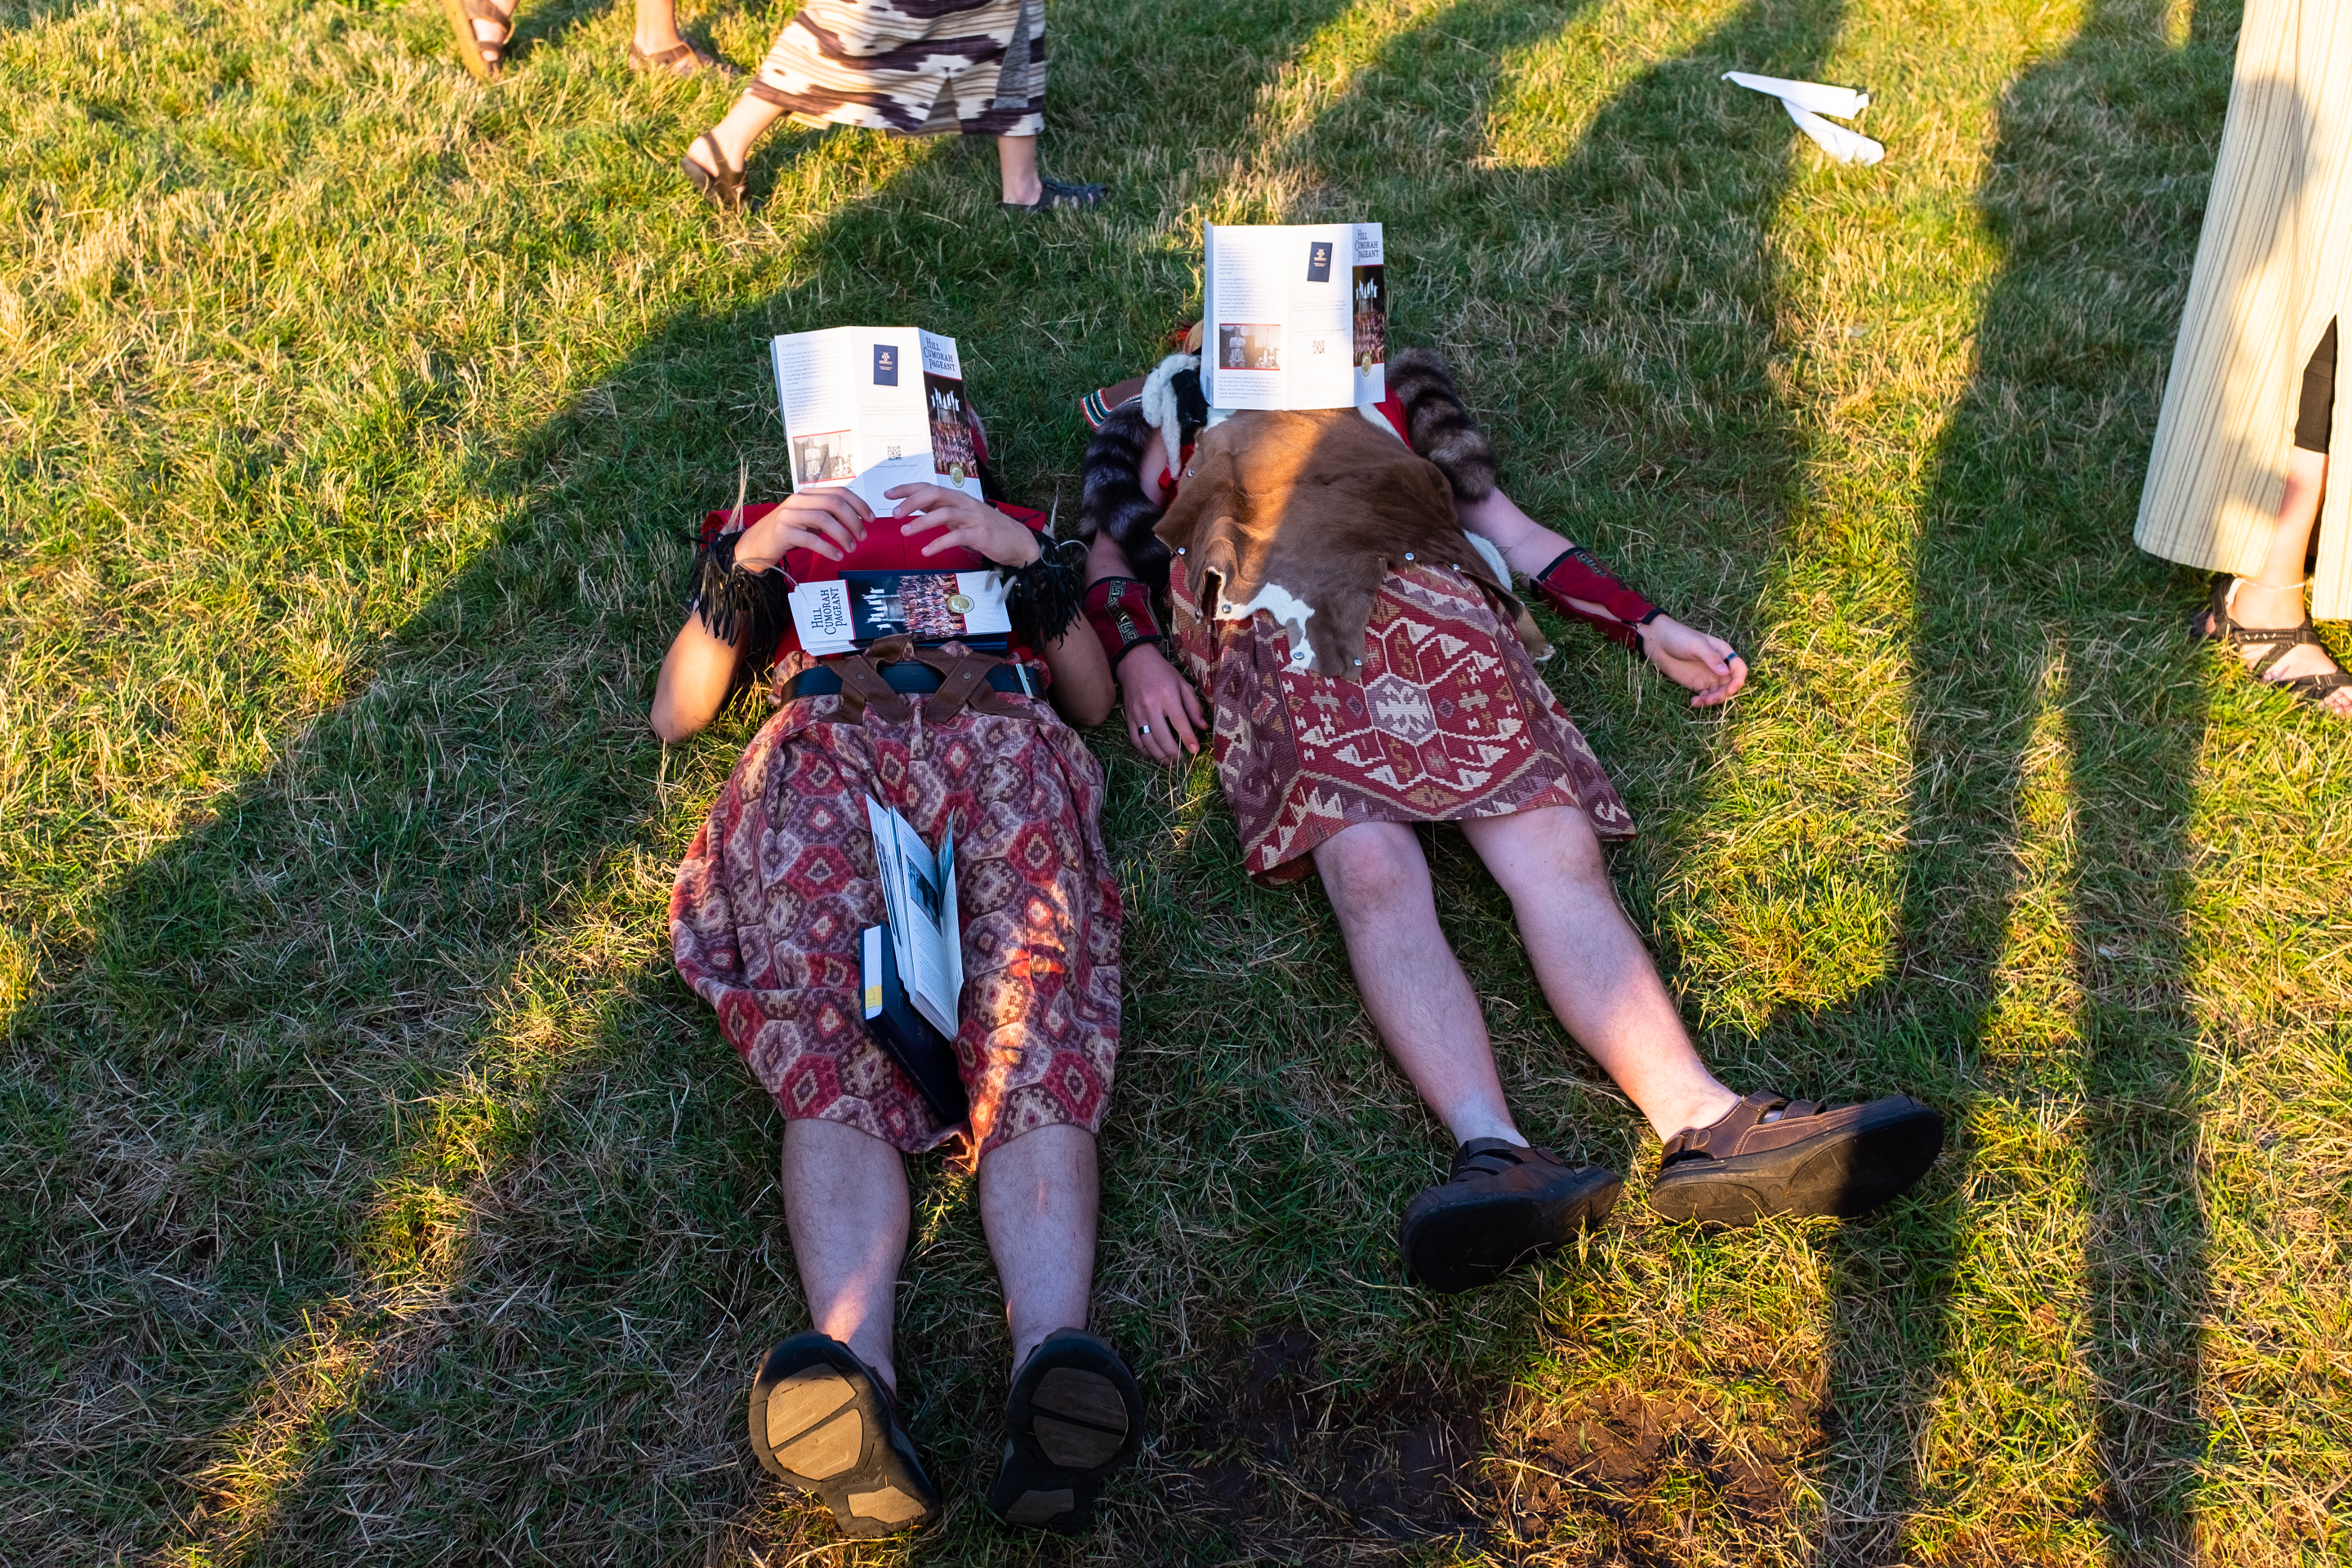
(753, 606)
(1048, 594)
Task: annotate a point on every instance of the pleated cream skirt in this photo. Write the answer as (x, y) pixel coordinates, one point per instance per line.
(2273, 267)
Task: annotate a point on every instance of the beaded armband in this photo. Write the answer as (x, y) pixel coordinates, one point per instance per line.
(1577, 575)
(1119, 610)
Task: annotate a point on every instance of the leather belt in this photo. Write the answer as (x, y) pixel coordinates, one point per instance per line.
(817, 680)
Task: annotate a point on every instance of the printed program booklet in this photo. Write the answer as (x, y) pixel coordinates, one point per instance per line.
(1297, 316)
(872, 407)
(858, 609)
(912, 968)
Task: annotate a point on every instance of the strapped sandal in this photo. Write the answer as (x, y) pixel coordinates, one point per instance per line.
(1502, 1204)
(1770, 1155)
(1060, 193)
(482, 56)
(681, 59)
(723, 190)
(2314, 690)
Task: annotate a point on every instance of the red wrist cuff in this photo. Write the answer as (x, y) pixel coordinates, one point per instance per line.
(1119, 610)
(1577, 575)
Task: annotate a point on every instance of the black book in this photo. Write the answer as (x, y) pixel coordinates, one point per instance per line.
(926, 1056)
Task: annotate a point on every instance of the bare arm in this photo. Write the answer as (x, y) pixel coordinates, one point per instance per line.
(1082, 689)
(700, 669)
(1165, 715)
(1705, 666)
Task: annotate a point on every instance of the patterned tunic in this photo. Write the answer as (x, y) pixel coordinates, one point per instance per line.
(770, 902)
(916, 67)
(1450, 721)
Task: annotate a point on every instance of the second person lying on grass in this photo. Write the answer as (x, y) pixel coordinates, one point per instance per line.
(766, 922)
(1366, 668)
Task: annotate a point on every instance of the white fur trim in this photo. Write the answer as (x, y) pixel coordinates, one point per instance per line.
(1491, 553)
(1159, 409)
(1289, 612)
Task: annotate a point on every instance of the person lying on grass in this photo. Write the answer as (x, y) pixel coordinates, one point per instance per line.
(1340, 591)
(766, 922)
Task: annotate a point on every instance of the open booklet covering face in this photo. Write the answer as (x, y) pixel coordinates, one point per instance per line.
(1297, 316)
(870, 409)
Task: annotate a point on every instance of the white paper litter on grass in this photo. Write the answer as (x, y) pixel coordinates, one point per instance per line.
(1807, 101)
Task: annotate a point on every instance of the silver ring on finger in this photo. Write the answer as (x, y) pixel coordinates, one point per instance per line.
(1145, 730)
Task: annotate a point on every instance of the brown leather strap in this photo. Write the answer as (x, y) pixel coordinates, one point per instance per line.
(862, 685)
(963, 683)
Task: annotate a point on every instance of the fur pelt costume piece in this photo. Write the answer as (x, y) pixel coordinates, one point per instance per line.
(1113, 499)
(1302, 515)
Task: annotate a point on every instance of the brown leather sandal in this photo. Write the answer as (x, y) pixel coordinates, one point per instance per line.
(1770, 1155)
(681, 59)
(482, 56)
(723, 190)
(2314, 690)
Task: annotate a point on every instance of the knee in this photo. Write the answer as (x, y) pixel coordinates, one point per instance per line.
(1371, 869)
(1564, 855)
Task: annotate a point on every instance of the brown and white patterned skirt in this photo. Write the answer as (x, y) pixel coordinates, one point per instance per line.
(773, 896)
(917, 66)
(1450, 721)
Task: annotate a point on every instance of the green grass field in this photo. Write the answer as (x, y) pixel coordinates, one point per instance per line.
(371, 1191)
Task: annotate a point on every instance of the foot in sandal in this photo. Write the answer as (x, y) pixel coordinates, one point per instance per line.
(1075, 1416)
(707, 170)
(681, 58)
(1503, 1203)
(484, 28)
(2282, 648)
(1769, 1154)
(821, 1421)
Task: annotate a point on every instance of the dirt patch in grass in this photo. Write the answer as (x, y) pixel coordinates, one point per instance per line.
(1285, 1460)
(1631, 1475)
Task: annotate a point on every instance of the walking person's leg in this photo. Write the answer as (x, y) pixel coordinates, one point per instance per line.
(655, 44)
(2264, 615)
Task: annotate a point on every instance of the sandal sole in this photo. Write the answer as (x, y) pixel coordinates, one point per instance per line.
(1074, 1416)
(1840, 1174)
(820, 1422)
(1472, 1242)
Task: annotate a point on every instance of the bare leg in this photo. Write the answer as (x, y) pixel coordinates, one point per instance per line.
(1017, 162)
(1419, 998)
(2274, 597)
(845, 1204)
(734, 135)
(1594, 971)
(1037, 1204)
(658, 28)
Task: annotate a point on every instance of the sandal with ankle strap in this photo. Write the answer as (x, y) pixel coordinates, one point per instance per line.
(681, 59)
(482, 56)
(723, 190)
(2314, 690)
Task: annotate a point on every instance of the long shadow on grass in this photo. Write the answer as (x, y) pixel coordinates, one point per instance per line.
(372, 1185)
(2053, 1274)
(1620, 303)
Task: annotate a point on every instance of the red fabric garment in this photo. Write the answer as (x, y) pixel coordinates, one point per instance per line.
(1450, 721)
(884, 549)
(770, 903)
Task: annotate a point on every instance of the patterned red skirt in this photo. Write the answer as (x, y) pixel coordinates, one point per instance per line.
(1450, 721)
(770, 900)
